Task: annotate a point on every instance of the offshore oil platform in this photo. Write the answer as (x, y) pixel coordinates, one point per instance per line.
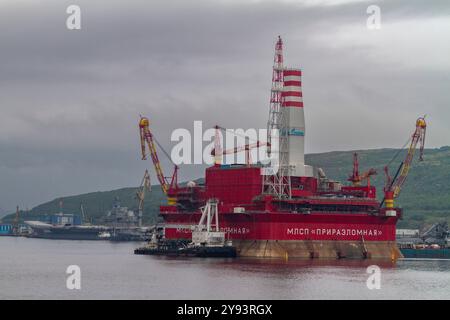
(293, 212)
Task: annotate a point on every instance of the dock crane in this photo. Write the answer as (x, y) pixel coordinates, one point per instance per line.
(394, 185)
(16, 229)
(140, 195)
(148, 139)
(83, 214)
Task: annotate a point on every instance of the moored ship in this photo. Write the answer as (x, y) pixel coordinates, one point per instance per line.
(293, 210)
(434, 243)
(67, 232)
(125, 224)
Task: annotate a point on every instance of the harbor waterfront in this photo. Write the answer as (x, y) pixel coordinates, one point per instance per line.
(36, 269)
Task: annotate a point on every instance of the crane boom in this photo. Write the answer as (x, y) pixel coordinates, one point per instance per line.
(83, 215)
(241, 148)
(217, 151)
(238, 149)
(355, 177)
(417, 137)
(140, 194)
(394, 186)
(147, 139)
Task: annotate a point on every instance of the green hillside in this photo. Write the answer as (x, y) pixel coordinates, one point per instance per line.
(425, 197)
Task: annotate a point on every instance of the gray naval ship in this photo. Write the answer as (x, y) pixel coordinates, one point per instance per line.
(65, 229)
(125, 224)
(119, 224)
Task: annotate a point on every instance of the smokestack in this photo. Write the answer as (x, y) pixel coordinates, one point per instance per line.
(292, 108)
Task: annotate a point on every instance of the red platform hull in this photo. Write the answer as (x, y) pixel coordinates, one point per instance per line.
(290, 226)
(312, 223)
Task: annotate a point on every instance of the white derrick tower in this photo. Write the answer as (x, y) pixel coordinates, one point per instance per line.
(278, 183)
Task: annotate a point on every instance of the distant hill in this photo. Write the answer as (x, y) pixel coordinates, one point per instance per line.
(96, 204)
(3, 212)
(425, 196)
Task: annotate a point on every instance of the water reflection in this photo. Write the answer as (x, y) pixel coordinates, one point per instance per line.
(35, 269)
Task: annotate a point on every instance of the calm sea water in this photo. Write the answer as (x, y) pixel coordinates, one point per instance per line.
(36, 269)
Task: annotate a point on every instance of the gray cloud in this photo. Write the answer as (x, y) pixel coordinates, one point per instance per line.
(69, 100)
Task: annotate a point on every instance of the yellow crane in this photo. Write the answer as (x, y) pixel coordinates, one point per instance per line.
(140, 194)
(393, 186)
(148, 140)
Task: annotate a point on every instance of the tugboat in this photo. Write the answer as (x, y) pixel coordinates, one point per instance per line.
(207, 239)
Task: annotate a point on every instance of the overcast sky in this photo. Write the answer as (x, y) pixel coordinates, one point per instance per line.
(70, 99)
